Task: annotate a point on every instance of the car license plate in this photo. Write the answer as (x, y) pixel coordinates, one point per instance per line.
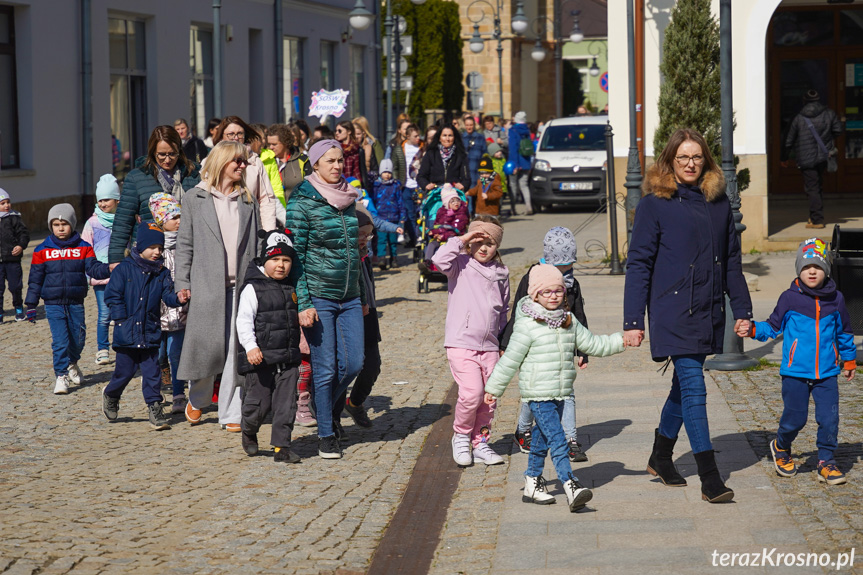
(575, 186)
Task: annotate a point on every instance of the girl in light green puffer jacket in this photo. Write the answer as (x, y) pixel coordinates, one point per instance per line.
(543, 345)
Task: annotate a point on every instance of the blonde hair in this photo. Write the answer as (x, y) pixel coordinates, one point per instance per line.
(363, 124)
(220, 156)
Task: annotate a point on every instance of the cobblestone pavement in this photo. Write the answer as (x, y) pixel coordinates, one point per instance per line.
(81, 495)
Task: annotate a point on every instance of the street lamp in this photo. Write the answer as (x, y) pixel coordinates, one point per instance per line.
(538, 52)
(633, 162)
(519, 24)
(576, 35)
(360, 19)
(594, 68)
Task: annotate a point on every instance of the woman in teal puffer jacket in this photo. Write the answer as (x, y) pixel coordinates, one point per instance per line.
(543, 344)
(165, 168)
(321, 215)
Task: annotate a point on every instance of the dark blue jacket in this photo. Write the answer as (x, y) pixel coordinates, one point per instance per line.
(516, 133)
(388, 201)
(133, 295)
(57, 274)
(474, 145)
(683, 258)
(819, 340)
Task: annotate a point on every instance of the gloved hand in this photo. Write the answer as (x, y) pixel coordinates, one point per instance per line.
(31, 315)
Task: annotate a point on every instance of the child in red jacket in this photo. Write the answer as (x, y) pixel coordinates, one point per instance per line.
(452, 220)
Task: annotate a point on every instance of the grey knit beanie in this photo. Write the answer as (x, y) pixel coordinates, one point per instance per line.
(812, 251)
(559, 247)
(63, 212)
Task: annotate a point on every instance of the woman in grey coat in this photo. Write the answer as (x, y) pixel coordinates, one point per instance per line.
(217, 240)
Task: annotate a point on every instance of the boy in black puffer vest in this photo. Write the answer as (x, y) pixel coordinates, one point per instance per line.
(14, 238)
(268, 329)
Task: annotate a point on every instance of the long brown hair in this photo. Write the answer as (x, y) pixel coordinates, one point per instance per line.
(251, 134)
(169, 135)
(665, 162)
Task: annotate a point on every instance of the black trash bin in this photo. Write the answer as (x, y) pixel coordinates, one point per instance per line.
(846, 251)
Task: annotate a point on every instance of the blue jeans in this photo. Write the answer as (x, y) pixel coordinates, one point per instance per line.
(687, 403)
(388, 244)
(173, 342)
(567, 420)
(126, 365)
(104, 323)
(336, 342)
(68, 334)
(795, 396)
(411, 208)
(548, 436)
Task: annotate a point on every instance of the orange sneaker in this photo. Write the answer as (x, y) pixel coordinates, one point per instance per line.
(828, 473)
(232, 427)
(782, 460)
(193, 415)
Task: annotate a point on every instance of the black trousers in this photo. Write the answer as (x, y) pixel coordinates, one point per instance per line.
(371, 367)
(11, 273)
(268, 388)
(813, 185)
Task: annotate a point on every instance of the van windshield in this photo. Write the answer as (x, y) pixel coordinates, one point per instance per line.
(584, 137)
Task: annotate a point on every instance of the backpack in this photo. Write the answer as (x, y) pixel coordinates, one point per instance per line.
(525, 147)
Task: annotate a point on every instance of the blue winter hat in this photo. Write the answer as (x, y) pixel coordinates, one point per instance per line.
(149, 234)
(107, 188)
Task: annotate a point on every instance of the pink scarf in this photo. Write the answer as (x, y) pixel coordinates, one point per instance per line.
(340, 195)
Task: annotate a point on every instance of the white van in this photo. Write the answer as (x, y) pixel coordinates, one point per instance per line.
(569, 168)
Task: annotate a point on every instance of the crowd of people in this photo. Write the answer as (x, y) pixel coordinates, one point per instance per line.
(240, 269)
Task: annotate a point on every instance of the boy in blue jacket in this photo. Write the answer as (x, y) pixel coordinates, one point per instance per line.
(818, 345)
(137, 287)
(388, 201)
(57, 276)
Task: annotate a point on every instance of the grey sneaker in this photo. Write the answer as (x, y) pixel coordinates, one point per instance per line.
(328, 448)
(576, 453)
(178, 405)
(110, 406)
(102, 357)
(158, 421)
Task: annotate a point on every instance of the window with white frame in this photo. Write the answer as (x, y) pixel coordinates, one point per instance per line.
(201, 95)
(128, 61)
(293, 73)
(9, 156)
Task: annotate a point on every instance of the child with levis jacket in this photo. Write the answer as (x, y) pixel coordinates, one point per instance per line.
(818, 345)
(478, 301)
(58, 275)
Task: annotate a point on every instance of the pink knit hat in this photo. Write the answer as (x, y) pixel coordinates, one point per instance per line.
(543, 277)
(447, 193)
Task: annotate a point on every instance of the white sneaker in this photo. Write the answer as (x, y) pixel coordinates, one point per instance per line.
(535, 491)
(486, 454)
(61, 386)
(461, 449)
(75, 374)
(102, 357)
(577, 495)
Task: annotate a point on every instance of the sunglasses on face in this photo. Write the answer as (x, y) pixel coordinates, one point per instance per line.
(241, 161)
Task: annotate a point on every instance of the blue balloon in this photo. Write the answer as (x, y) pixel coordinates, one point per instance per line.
(509, 168)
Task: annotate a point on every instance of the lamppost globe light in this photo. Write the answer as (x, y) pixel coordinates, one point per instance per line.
(594, 69)
(576, 35)
(476, 42)
(538, 52)
(519, 21)
(359, 17)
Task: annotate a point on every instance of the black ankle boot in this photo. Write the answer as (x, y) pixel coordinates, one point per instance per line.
(712, 487)
(660, 463)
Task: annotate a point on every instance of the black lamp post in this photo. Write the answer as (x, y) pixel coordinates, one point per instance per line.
(732, 357)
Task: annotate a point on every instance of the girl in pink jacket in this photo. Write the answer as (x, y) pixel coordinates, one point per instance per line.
(476, 312)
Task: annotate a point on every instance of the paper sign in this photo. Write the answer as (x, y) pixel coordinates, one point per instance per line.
(329, 103)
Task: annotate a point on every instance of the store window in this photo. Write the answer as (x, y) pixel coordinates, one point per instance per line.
(357, 96)
(295, 103)
(803, 28)
(128, 93)
(328, 65)
(9, 157)
(201, 88)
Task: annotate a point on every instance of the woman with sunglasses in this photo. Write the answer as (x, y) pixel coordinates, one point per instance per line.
(165, 168)
(351, 151)
(684, 257)
(218, 238)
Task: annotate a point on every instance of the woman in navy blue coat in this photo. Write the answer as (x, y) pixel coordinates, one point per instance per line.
(684, 257)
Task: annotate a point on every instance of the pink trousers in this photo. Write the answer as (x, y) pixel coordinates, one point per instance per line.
(471, 369)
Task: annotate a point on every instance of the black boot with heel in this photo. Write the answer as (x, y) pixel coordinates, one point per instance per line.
(712, 487)
(660, 463)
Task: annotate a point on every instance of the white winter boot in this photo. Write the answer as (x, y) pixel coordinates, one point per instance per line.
(576, 494)
(535, 491)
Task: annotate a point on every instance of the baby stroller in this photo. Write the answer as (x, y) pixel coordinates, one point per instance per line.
(431, 203)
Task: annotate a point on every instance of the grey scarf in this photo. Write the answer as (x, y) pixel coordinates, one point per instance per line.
(171, 184)
(553, 317)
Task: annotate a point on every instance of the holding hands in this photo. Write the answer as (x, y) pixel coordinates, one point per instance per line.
(308, 317)
(633, 337)
(489, 399)
(742, 327)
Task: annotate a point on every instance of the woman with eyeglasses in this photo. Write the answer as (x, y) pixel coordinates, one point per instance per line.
(350, 149)
(257, 179)
(684, 257)
(321, 215)
(165, 168)
(218, 237)
(445, 162)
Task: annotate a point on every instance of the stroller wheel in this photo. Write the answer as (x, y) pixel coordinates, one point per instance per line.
(425, 281)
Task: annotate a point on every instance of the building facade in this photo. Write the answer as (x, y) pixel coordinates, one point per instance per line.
(781, 49)
(152, 62)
